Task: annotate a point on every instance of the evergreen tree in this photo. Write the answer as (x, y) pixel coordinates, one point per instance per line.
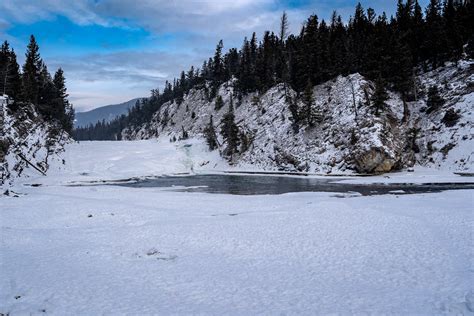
(231, 63)
(418, 35)
(218, 67)
(453, 30)
(435, 41)
(379, 96)
(47, 94)
(219, 103)
(284, 25)
(10, 78)
(210, 135)
(64, 110)
(337, 46)
(230, 133)
(435, 101)
(31, 72)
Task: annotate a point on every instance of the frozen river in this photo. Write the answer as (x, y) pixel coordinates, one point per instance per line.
(263, 185)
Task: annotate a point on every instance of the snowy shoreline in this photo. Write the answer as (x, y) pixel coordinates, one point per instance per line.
(116, 161)
(119, 250)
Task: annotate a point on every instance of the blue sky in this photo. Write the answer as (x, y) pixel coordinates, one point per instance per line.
(115, 50)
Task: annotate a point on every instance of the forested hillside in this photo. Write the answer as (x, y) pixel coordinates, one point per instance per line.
(389, 50)
(35, 114)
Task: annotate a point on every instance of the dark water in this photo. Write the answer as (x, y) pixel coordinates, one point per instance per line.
(258, 185)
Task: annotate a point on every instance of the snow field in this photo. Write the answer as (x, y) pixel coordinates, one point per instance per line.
(117, 250)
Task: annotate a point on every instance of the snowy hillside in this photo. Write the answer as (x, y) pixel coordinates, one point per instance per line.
(347, 136)
(443, 146)
(27, 143)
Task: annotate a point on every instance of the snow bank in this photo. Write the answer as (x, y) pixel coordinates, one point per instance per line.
(111, 160)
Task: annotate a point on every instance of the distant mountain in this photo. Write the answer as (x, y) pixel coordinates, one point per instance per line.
(107, 113)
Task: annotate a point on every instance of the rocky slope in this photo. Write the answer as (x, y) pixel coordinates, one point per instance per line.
(27, 142)
(347, 137)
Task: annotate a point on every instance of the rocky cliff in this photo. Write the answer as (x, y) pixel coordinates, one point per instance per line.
(27, 142)
(347, 136)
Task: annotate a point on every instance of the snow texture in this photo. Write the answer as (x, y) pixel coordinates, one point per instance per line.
(88, 250)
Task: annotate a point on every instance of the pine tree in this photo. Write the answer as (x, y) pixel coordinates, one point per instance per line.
(231, 64)
(397, 68)
(190, 76)
(230, 133)
(219, 103)
(435, 101)
(455, 41)
(4, 66)
(64, 111)
(10, 79)
(380, 96)
(47, 94)
(218, 67)
(210, 135)
(418, 36)
(31, 72)
(284, 25)
(435, 41)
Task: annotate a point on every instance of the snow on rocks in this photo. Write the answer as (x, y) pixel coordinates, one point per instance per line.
(347, 137)
(442, 146)
(28, 144)
(268, 124)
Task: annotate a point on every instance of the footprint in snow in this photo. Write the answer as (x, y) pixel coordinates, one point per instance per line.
(155, 254)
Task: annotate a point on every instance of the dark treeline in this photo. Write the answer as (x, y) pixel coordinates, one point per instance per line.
(380, 48)
(35, 85)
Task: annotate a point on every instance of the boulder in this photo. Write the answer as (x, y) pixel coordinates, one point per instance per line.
(375, 160)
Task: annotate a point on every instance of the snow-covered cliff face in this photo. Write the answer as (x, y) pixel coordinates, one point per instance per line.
(446, 143)
(347, 136)
(27, 143)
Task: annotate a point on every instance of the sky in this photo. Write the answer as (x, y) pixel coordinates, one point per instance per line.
(116, 50)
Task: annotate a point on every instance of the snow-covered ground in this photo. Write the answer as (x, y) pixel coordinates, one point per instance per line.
(105, 249)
